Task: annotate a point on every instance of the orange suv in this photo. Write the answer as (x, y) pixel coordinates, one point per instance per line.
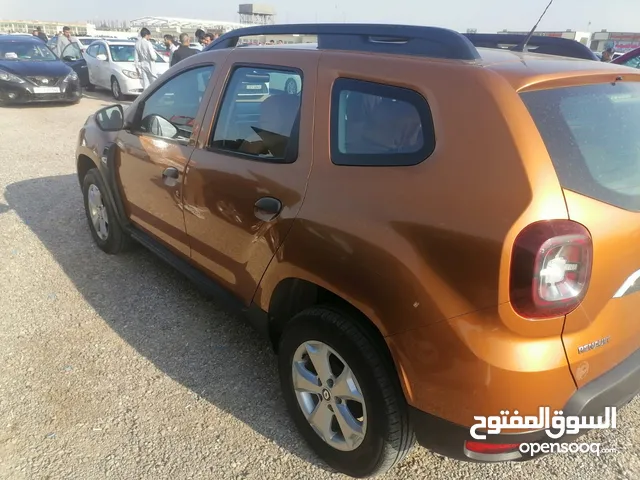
(426, 230)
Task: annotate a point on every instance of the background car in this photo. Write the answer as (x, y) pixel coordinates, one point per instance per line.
(72, 56)
(111, 66)
(630, 59)
(285, 82)
(83, 42)
(31, 72)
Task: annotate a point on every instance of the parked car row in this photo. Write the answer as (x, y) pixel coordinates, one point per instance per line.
(31, 72)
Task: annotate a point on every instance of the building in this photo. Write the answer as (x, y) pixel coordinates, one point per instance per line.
(160, 26)
(582, 37)
(256, 14)
(49, 27)
(620, 41)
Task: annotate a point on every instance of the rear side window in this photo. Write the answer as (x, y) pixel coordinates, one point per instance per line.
(591, 133)
(379, 125)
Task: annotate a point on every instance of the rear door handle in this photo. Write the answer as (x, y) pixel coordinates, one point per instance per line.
(267, 208)
(170, 176)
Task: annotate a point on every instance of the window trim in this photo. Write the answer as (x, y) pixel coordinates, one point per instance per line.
(139, 111)
(367, 87)
(293, 147)
(89, 47)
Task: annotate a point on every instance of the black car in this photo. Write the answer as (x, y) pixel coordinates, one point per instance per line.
(31, 72)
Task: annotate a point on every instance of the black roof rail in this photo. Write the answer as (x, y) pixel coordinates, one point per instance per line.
(562, 47)
(399, 39)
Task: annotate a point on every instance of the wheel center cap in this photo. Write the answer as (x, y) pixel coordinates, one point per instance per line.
(326, 394)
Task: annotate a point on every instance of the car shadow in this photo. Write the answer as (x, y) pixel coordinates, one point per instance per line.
(37, 105)
(105, 95)
(163, 317)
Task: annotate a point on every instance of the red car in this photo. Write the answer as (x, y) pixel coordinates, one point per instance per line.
(630, 59)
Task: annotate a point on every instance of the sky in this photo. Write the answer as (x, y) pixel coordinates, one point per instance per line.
(485, 16)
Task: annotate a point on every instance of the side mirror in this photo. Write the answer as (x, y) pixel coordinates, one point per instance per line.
(68, 58)
(110, 119)
(102, 57)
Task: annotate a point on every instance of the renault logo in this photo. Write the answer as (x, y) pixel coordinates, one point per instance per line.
(44, 80)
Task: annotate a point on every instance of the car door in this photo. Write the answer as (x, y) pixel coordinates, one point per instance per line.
(92, 61)
(246, 184)
(103, 66)
(72, 56)
(154, 152)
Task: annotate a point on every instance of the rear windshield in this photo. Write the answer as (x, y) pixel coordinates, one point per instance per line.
(592, 133)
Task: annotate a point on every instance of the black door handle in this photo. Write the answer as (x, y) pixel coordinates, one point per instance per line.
(170, 172)
(170, 176)
(267, 208)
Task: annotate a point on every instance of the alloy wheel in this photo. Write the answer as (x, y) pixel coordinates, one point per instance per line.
(98, 212)
(329, 395)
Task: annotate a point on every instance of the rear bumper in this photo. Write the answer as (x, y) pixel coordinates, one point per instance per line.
(615, 388)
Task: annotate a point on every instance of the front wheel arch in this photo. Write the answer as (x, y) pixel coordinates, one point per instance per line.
(84, 164)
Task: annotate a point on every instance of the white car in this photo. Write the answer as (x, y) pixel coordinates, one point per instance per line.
(111, 66)
(284, 82)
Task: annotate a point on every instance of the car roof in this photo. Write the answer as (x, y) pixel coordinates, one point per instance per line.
(519, 69)
(526, 70)
(110, 41)
(20, 38)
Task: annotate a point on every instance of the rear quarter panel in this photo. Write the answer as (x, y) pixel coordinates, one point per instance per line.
(412, 246)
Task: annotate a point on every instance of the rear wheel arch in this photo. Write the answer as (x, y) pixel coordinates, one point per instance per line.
(294, 295)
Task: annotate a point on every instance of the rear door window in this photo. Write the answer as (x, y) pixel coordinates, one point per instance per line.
(591, 134)
(259, 116)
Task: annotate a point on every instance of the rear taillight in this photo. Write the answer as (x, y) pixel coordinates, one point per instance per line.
(550, 268)
(491, 448)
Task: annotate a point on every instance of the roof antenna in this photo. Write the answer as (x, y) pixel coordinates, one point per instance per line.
(523, 45)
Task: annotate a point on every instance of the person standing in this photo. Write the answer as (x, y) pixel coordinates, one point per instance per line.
(145, 59)
(183, 50)
(170, 45)
(607, 55)
(64, 40)
(207, 39)
(199, 36)
(41, 35)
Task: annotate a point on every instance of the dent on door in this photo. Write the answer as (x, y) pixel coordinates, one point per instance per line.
(151, 172)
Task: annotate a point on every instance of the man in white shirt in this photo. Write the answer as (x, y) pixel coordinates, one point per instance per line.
(64, 40)
(145, 59)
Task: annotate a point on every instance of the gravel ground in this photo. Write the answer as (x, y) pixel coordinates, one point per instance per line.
(115, 367)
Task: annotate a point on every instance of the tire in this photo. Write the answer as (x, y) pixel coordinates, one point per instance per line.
(116, 91)
(388, 435)
(291, 87)
(114, 240)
